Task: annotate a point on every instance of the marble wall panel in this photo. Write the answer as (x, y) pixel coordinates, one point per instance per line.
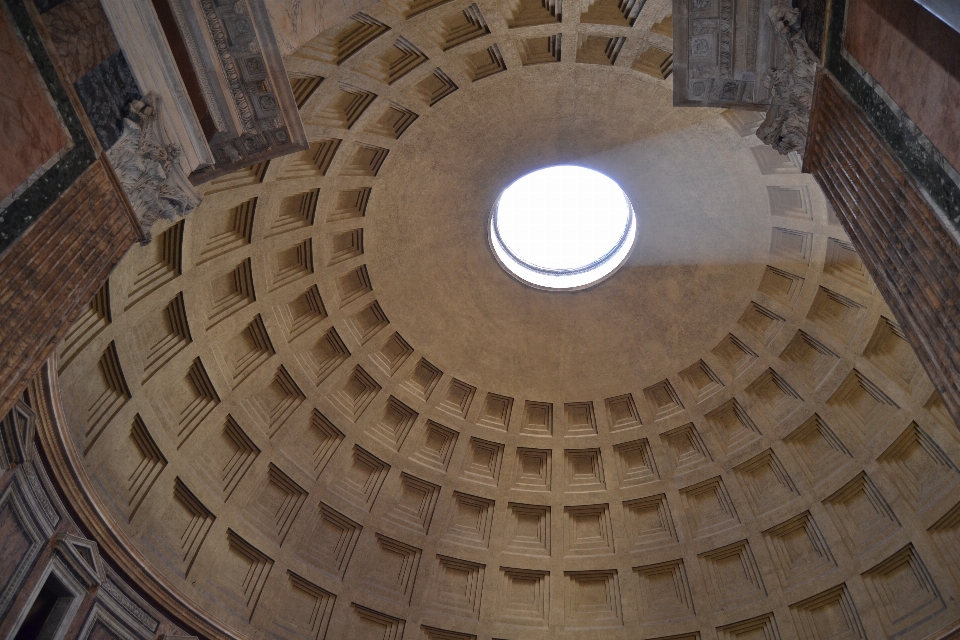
(916, 59)
(30, 132)
(923, 48)
(81, 35)
(45, 151)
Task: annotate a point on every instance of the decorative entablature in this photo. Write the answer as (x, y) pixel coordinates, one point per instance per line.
(215, 99)
(235, 58)
(721, 50)
(749, 55)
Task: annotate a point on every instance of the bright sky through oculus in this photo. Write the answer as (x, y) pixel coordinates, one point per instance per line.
(563, 227)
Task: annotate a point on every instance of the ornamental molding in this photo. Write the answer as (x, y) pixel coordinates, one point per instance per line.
(235, 57)
(38, 497)
(83, 556)
(16, 435)
(129, 605)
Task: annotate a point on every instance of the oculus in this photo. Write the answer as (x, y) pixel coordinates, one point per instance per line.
(562, 228)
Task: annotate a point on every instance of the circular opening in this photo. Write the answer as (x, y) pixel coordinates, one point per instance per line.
(562, 227)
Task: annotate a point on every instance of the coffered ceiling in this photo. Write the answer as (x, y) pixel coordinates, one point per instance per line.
(320, 408)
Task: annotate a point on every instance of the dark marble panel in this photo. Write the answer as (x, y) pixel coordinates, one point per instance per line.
(106, 93)
(16, 545)
(813, 17)
(20, 214)
(45, 5)
(100, 631)
(922, 159)
(82, 36)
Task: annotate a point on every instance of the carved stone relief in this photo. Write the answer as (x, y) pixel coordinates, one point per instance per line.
(790, 86)
(145, 164)
(746, 54)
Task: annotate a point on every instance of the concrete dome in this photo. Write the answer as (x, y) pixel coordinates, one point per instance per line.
(319, 408)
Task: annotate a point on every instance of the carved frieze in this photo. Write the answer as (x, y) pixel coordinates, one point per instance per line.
(721, 50)
(37, 494)
(235, 57)
(144, 162)
(25, 538)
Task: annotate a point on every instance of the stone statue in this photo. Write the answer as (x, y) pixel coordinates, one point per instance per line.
(147, 168)
(791, 86)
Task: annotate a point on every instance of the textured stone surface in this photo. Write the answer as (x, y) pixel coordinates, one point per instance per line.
(81, 35)
(352, 423)
(46, 5)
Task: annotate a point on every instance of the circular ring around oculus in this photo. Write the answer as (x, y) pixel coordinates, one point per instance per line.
(563, 227)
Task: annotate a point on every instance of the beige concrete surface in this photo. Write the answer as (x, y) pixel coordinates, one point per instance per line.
(330, 414)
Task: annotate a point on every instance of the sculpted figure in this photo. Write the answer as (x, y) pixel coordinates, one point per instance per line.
(146, 166)
(791, 86)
